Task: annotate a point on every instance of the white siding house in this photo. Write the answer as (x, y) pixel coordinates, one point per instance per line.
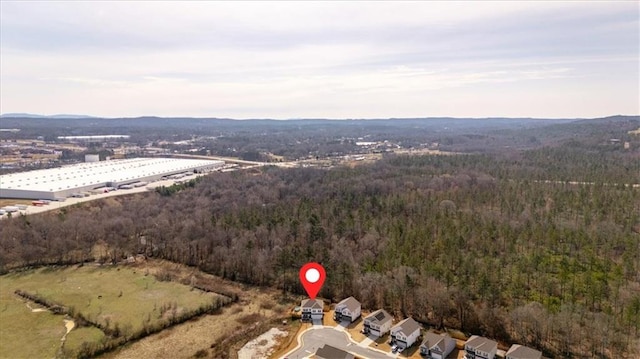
(312, 309)
(405, 333)
(480, 348)
(378, 323)
(347, 309)
(437, 346)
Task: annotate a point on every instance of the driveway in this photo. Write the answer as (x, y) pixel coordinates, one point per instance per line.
(311, 339)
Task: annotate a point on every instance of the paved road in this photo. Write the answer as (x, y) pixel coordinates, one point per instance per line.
(248, 164)
(314, 338)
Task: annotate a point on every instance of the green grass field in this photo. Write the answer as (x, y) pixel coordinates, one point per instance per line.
(26, 334)
(122, 296)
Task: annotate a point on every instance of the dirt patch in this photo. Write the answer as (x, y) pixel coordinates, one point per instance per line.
(35, 310)
(289, 342)
(13, 202)
(262, 346)
(69, 325)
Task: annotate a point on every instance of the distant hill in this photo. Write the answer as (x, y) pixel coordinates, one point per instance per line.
(30, 115)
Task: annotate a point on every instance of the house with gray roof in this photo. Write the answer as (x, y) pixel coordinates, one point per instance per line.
(437, 346)
(311, 309)
(480, 348)
(518, 351)
(405, 333)
(348, 308)
(328, 352)
(377, 323)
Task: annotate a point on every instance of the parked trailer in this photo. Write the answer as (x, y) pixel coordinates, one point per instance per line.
(125, 186)
(140, 184)
(10, 209)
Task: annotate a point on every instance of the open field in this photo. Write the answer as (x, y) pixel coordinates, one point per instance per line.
(185, 340)
(27, 334)
(123, 297)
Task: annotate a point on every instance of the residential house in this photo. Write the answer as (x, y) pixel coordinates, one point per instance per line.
(378, 323)
(311, 309)
(437, 346)
(521, 352)
(347, 309)
(480, 348)
(405, 333)
(328, 352)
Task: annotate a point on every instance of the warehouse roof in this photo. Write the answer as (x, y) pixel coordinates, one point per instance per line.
(99, 173)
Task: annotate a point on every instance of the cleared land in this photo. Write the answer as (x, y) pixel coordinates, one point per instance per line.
(212, 335)
(27, 334)
(124, 297)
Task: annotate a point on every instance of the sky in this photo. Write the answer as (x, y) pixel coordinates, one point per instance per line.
(283, 60)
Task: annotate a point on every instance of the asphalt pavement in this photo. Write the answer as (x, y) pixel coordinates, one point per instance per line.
(314, 338)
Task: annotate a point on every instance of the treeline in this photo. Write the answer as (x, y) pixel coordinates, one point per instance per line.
(176, 187)
(472, 242)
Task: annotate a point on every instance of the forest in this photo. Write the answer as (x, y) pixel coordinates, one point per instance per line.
(539, 247)
(294, 139)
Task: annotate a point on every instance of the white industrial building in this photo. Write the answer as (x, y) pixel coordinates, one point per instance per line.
(85, 178)
(94, 138)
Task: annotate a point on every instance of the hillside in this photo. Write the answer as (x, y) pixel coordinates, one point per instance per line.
(497, 245)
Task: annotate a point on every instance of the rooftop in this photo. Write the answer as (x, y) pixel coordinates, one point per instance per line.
(350, 303)
(328, 352)
(481, 343)
(521, 352)
(97, 173)
(380, 317)
(433, 340)
(406, 327)
(312, 304)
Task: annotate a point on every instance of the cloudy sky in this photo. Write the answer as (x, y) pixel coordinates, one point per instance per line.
(320, 59)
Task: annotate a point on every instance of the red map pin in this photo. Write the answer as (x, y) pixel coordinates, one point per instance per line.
(312, 277)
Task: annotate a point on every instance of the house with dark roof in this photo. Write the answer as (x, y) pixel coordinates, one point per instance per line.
(480, 348)
(437, 346)
(518, 351)
(348, 308)
(377, 323)
(311, 309)
(405, 333)
(328, 352)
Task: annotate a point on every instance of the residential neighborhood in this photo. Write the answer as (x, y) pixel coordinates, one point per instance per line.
(345, 330)
(518, 351)
(348, 308)
(312, 309)
(437, 346)
(404, 334)
(378, 323)
(480, 348)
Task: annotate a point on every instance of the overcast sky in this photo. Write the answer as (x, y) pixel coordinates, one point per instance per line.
(320, 59)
